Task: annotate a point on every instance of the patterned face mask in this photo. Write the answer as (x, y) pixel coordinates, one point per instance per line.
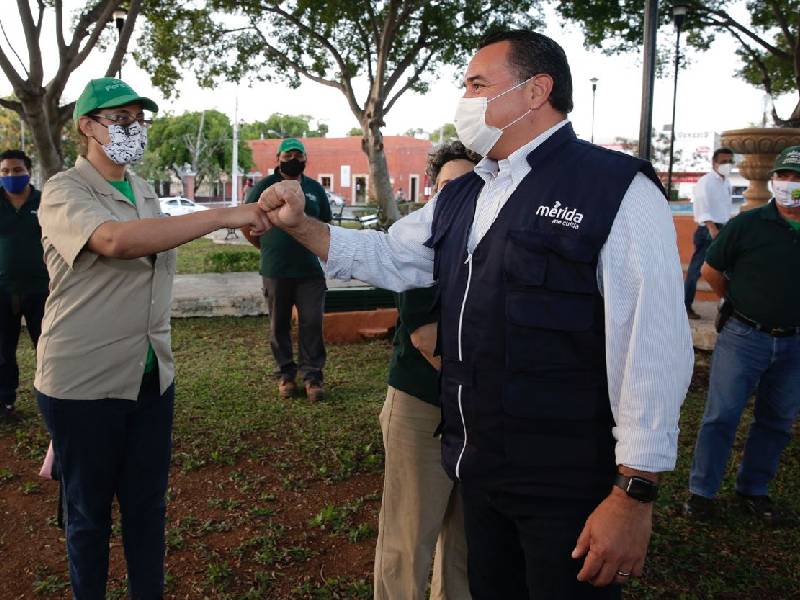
(126, 144)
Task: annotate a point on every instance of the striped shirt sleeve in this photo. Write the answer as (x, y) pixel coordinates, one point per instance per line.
(649, 352)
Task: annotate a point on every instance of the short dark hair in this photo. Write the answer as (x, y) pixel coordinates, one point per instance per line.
(443, 154)
(532, 54)
(17, 155)
(719, 151)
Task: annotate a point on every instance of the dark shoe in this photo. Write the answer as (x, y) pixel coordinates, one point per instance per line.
(287, 388)
(314, 391)
(691, 314)
(10, 413)
(700, 508)
(766, 510)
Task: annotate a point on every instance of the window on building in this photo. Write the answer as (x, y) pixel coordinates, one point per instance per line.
(327, 182)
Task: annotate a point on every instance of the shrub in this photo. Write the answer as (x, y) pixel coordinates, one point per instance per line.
(231, 261)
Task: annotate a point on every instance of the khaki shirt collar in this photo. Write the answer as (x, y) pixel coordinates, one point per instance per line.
(100, 185)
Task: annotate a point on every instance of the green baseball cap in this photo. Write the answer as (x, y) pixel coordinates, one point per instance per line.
(290, 144)
(788, 160)
(108, 92)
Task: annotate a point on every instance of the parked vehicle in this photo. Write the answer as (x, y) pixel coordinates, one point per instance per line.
(176, 206)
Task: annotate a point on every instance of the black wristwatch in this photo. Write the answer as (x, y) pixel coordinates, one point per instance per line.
(638, 488)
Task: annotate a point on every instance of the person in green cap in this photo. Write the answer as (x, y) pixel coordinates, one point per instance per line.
(104, 375)
(753, 264)
(292, 276)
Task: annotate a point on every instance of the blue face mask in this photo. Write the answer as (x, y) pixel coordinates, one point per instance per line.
(14, 184)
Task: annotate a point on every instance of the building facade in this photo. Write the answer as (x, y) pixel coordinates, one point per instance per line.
(340, 165)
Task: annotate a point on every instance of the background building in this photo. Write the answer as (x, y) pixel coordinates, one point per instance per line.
(340, 165)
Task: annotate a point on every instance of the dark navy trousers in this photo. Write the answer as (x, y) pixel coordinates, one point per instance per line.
(519, 547)
(109, 448)
(12, 308)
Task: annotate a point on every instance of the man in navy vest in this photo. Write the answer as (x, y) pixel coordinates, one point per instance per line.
(565, 348)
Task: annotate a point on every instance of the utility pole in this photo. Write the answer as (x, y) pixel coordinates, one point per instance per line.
(235, 156)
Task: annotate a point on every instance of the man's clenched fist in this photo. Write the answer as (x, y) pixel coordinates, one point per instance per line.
(284, 203)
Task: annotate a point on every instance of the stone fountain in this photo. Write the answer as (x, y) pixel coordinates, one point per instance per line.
(759, 146)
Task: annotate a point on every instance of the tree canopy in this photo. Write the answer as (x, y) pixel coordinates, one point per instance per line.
(280, 126)
(196, 142)
(77, 37)
(768, 35)
(395, 46)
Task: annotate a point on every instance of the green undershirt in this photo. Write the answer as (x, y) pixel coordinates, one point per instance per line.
(124, 188)
(794, 224)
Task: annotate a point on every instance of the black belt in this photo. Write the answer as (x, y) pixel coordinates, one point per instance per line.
(773, 331)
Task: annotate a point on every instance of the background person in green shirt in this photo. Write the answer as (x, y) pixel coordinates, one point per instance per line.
(421, 507)
(754, 264)
(292, 276)
(23, 275)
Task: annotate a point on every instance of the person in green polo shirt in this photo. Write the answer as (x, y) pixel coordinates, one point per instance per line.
(421, 508)
(23, 275)
(292, 276)
(754, 264)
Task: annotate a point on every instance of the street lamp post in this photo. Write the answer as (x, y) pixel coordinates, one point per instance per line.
(648, 79)
(119, 22)
(678, 15)
(594, 81)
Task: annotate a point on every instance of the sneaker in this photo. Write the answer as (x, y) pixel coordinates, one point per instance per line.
(765, 509)
(287, 388)
(691, 314)
(700, 508)
(314, 391)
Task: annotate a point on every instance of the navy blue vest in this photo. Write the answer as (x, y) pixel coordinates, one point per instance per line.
(521, 334)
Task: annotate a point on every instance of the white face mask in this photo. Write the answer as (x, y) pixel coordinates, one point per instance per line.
(470, 121)
(787, 193)
(725, 169)
(126, 144)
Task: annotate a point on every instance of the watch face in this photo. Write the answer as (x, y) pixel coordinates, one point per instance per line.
(641, 489)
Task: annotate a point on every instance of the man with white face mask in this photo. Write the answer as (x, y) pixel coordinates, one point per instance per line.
(712, 209)
(556, 264)
(753, 264)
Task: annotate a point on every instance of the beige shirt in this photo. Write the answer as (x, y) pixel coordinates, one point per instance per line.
(101, 311)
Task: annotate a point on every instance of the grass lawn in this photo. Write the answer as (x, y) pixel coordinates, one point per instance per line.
(278, 499)
(192, 255)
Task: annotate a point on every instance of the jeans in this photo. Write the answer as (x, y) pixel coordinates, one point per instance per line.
(702, 240)
(747, 360)
(12, 309)
(519, 546)
(308, 295)
(108, 448)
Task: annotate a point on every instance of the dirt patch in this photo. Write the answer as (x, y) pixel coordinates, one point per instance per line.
(233, 531)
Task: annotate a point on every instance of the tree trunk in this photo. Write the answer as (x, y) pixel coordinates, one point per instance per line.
(380, 186)
(41, 126)
(794, 119)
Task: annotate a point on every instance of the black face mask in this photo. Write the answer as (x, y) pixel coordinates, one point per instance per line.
(293, 168)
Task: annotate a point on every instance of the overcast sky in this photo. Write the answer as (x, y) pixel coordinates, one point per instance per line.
(709, 96)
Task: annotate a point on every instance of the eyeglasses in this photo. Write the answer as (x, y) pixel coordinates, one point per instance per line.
(123, 119)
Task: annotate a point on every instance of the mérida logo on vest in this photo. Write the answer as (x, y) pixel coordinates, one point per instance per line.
(568, 217)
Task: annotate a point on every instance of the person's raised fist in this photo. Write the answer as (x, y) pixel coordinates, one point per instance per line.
(284, 203)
